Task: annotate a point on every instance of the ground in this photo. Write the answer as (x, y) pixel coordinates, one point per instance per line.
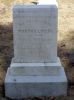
(65, 42)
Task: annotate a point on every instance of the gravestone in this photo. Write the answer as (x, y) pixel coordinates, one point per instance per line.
(35, 69)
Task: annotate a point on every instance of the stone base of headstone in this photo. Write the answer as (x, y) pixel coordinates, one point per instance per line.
(35, 79)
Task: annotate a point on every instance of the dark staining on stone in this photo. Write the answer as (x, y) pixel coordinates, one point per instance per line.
(34, 3)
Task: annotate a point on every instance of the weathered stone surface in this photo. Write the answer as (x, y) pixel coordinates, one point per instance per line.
(52, 84)
(35, 33)
(35, 69)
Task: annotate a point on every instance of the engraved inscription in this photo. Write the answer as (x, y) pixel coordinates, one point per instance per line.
(33, 34)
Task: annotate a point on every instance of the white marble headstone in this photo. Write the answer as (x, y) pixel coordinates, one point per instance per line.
(35, 69)
(35, 33)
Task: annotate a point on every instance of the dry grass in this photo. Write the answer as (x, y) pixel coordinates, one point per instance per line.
(65, 40)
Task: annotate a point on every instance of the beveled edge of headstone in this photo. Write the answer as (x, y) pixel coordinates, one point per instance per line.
(32, 64)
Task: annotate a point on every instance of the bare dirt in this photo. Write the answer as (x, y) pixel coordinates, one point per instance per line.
(65, 42)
